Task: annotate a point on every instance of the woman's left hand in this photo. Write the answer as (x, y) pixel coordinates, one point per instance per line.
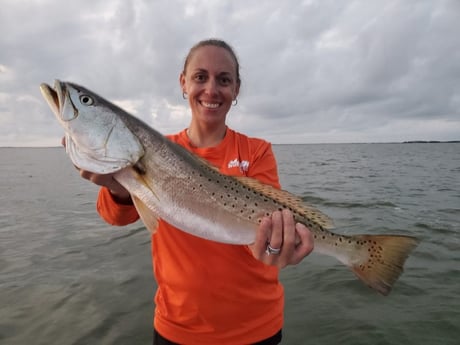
(280, 241)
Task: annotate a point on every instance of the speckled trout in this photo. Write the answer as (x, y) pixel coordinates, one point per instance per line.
(167, 181)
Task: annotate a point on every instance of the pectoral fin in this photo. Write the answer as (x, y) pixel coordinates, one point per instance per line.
(149, 219)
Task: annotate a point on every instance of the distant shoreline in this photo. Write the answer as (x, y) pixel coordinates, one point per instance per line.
(430, 142)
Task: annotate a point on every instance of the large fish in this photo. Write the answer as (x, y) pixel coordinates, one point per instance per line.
(167, 181)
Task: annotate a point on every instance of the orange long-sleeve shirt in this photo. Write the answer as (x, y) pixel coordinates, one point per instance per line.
(209, 292)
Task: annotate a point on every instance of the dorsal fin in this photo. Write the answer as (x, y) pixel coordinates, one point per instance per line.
(290, 200)
(283, 197)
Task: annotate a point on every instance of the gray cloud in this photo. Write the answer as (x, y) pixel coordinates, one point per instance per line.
(313, 71)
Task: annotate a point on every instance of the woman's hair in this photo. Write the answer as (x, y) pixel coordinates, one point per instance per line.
(216, 43)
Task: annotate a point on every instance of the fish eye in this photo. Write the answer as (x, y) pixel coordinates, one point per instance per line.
(86, 100)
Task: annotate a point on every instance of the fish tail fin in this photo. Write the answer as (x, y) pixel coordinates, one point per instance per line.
(383, 259)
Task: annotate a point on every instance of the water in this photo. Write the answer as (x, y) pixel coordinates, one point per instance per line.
(68, 278)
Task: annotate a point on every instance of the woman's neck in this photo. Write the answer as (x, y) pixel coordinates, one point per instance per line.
(201, 136)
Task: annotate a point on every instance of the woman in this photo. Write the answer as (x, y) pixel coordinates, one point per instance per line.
(208, 292)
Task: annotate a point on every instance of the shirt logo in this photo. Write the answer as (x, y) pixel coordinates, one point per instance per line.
(235, 163)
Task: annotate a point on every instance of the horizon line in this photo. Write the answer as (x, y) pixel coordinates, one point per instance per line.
(319, 143)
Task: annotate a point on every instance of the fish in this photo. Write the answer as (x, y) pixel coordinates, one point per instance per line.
(167, 181)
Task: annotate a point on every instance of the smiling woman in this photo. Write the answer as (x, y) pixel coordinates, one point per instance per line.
(211, 81)
(211, 292)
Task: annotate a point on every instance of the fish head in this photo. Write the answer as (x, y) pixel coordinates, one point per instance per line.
(97, 138)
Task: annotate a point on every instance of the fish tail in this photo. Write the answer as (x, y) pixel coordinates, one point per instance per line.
(382, 259)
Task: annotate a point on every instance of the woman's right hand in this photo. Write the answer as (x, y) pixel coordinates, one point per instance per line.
(119, 193)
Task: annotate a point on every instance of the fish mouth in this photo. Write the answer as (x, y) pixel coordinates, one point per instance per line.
(53, 96)
(56, 98)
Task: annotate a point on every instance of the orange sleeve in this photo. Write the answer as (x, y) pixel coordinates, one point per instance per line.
(264, 167)
(112, 212)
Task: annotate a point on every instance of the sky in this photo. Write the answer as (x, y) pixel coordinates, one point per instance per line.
(312, 71)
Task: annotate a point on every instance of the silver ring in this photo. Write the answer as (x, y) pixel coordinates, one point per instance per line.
(270, 250)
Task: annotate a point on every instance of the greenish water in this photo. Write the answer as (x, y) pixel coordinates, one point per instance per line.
(68, 278)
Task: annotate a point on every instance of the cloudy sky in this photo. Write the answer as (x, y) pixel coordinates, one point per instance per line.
(312, 71)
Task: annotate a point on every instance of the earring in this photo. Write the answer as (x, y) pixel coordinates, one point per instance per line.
(235, 102)
(184, 95)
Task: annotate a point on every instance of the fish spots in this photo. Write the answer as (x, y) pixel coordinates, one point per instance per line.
(339, 240)
(376, 253)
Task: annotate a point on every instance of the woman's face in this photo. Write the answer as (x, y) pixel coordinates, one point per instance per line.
(210, 83)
